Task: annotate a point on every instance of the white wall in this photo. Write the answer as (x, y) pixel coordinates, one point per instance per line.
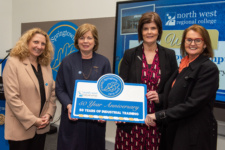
(15, 12)
(5, 27)
(220, 143)
(52, 10)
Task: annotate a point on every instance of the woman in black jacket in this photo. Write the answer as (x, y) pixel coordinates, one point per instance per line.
(189, 96)
(150, 64)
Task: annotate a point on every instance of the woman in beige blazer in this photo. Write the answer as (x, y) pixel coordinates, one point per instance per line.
(30, 91)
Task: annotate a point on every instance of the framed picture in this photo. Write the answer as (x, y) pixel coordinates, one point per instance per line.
(176, 16)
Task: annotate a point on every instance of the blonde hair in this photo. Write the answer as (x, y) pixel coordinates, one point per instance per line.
(21, 51)
(84, 28)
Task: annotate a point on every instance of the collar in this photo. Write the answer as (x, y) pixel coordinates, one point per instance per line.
(198, 61)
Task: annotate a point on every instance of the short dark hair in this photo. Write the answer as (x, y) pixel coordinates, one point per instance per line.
(208, 51)
(148, 18)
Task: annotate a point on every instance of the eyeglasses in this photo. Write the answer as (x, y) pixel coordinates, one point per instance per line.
(197, 41)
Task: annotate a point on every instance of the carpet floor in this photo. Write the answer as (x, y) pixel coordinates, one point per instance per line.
(51, 142)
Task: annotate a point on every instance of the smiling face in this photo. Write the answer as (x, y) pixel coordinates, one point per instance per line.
(150, 33)
(36, 45)
(194, 48)
(86, 43)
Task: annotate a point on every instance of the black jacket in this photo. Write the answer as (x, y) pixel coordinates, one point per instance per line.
(131, 68)
(188, 107)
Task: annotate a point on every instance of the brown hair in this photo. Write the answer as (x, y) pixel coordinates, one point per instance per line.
(148, 18)
(84, 28)
(21, 48)
(208, 51)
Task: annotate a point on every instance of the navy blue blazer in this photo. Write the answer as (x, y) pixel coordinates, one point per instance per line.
(71, 70)
(188, 107)
(81, 134)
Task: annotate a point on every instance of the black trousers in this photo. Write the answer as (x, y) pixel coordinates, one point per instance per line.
(36, 143)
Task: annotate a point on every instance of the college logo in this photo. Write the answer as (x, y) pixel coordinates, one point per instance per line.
(62, 37)
(170, 19)
(110, 85)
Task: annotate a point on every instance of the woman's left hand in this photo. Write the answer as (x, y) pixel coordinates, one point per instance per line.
(45, 121)
(153, 96)
(150, 120)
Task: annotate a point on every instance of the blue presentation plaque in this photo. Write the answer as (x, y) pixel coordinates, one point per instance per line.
(109, 99)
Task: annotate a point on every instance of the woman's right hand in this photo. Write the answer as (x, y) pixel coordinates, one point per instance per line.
(69, 108)
(150, 120)
(153, 96)
(39, 123)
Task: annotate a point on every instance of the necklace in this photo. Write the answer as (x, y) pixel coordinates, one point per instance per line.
(86, 68)
(87, 76)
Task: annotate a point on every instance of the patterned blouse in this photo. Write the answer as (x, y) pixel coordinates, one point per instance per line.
(142, 137)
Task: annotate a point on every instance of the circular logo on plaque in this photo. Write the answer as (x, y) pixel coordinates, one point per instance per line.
(2, 119)
(110, 85)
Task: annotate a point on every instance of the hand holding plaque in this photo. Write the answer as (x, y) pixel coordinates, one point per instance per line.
(109, 99)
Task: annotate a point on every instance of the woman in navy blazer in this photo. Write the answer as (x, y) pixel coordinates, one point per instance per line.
(189, 96)
(150, 64)
(80, 134)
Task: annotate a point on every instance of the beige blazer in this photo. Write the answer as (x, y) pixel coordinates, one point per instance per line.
(23, 100)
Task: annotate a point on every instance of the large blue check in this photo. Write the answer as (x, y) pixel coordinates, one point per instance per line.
(109, 99)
